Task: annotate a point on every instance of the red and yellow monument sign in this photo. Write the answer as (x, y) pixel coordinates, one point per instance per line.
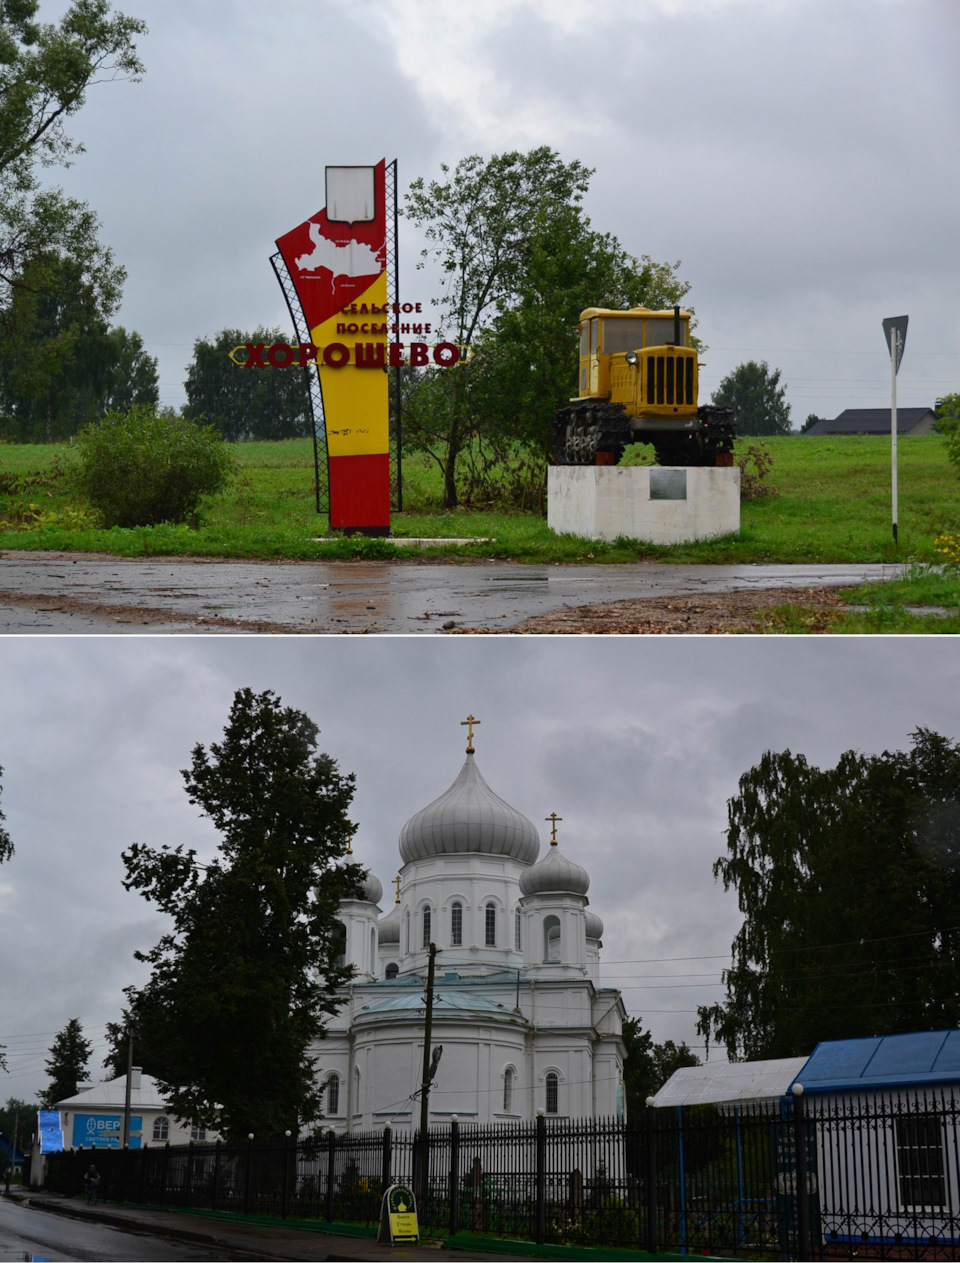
(337, 263)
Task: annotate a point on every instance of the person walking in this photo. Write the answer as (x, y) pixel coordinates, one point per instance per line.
(91, 1183)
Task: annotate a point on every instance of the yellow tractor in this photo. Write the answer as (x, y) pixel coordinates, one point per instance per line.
(638, 384)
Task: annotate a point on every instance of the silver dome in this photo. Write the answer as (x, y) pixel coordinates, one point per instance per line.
(469, 818)
(388, 927)
(372, 889)
(555, 874)
(594, 925)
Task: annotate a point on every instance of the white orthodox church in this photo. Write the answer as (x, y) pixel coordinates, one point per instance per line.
(518, 1009)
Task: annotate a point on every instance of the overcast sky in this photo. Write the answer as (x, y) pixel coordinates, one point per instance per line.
(799, 156)
(636, 743)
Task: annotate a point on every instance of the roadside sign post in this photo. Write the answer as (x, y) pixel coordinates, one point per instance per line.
(398, 1217)
(895, 331)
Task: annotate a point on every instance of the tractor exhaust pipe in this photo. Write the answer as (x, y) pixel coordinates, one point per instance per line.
(676, 326)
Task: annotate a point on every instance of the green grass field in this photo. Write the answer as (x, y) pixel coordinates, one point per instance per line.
(833, 505)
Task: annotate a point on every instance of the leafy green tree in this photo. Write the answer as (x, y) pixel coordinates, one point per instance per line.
(45, 71)
(67, 1067)
(811, 421)
(242, 983)
(848, 880)
(648, 1065)
(519, 263)
(27, 1120)
(242, 403)
(756, 397)
(947, 409)
(66, 366)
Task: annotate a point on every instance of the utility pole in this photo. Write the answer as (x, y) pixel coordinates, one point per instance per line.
(429, 1069)
(13, 1148)
(126, 1097)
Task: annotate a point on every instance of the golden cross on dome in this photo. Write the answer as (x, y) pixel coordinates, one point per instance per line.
(396, 882)
(468, 724)
(552, 820)
(350, 847)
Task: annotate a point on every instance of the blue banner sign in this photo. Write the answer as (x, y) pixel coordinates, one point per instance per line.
(103, 1131)
(51, 1134)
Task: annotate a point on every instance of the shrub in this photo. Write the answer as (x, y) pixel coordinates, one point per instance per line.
(139, 468)
(953, 448)
(755, 465)
(638, 454)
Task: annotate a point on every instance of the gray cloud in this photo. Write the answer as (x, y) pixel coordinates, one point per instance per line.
(799, 157)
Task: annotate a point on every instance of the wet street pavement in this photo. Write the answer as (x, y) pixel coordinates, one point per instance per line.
(31, 1234)
(56, 593)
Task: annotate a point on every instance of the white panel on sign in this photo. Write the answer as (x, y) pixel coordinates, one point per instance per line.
(350, 195)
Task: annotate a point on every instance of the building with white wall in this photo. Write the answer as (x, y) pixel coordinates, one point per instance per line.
(94, 1116)
(518, 1009)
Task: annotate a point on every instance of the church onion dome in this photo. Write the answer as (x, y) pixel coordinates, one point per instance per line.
(388, 927)
(594, 926)
(468, 819)
(555, 874)
(372, 889)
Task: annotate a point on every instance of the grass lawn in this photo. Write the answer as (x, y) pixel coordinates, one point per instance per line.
(833, 506)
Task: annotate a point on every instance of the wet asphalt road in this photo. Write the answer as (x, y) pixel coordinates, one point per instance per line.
(58, 593)
(37, 1234)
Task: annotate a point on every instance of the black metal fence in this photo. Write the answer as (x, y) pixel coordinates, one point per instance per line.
(839, 1178)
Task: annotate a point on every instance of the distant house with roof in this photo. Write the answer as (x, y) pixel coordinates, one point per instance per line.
(94, 1116)
(876, 421)
(887, 1111)
(883, 1132)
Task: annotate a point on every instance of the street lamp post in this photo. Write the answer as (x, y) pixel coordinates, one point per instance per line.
(895, 331)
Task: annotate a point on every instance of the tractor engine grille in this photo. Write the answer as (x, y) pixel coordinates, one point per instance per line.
(670, 379)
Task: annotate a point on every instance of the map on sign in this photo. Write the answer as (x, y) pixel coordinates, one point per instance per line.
(353, 259)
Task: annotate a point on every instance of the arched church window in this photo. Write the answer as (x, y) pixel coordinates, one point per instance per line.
(427, 918)
(357, 1107)
(509, 1078)
(551, 939)
(406, 930)
(392, 970)
(456, 924)
(490, 924)
(552, 1083)
(333, 1095)
(516, 931)
(339, 943)
(373, 950)
(161, 1128)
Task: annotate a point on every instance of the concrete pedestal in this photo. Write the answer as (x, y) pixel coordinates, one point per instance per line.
(659, 505)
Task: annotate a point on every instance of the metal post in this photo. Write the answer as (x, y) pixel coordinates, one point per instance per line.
(894, 348)
(216, 1176)
(285, 1205)
(387, 1157)
(800, 1153)
(189, 1180)
(126, 1091)
(246, 1191)
(331, 1167)
(454, 1175)
(423, 1172)
(163, 1173)
(541, 1178)
(653, 1235)
(681, 1176)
